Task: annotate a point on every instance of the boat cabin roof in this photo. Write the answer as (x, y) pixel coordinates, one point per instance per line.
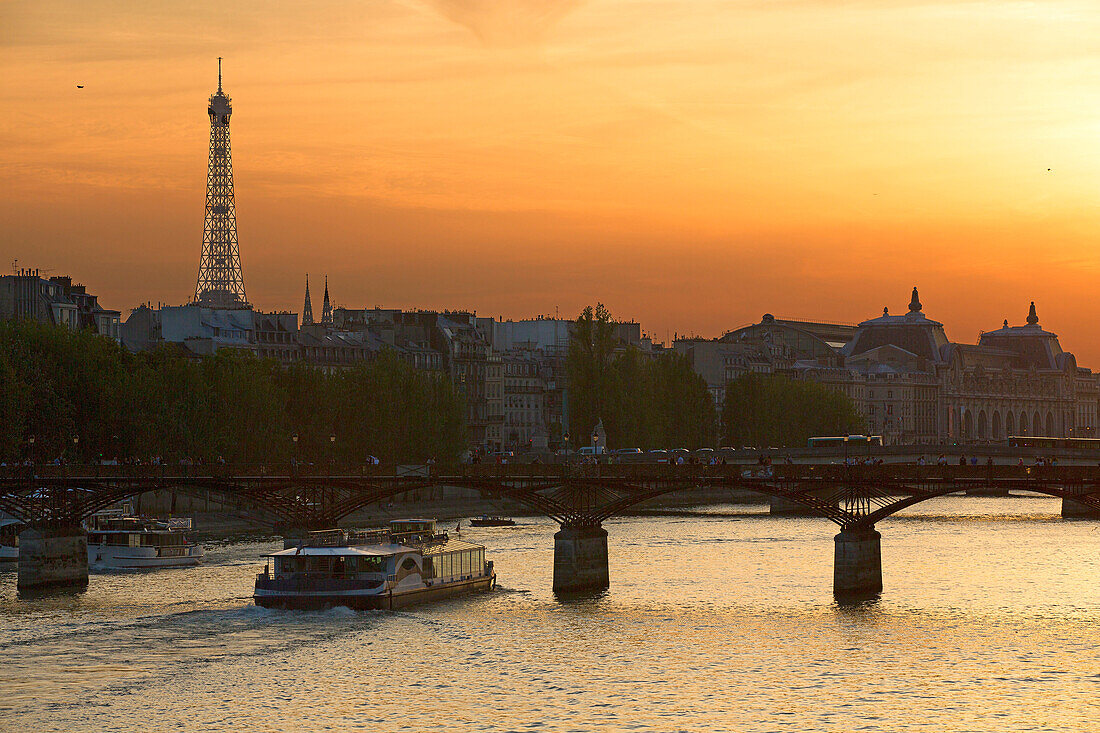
(345, 550)
(430, 548)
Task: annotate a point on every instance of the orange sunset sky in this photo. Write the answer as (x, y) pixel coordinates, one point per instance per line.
(691, 163)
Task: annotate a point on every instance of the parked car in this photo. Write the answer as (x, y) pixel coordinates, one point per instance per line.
(660, 455)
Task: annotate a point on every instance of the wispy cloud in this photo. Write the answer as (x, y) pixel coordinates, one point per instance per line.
(506, 22)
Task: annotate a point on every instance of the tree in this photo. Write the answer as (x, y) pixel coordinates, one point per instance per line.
(774, 410)
(56, 384)
(588, 365)
(645, 401)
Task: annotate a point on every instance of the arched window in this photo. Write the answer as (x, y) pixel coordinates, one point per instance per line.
(1010, 424)
(968, 425)
(996, 434)
(983, 427)
(1037, 425)
(1050, 425)
(1023, 423)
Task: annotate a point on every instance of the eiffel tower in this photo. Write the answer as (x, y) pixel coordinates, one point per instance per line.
(221, 282)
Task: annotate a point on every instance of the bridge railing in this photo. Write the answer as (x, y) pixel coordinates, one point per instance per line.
(148, 471)
(640, 472)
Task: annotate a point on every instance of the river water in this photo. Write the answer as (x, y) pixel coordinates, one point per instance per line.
(719, 618)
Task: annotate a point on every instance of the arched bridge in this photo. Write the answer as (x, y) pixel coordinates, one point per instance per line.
(53, 500)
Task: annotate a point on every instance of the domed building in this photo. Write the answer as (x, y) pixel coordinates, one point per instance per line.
(1018, 381)
(923, 387)
(912, 383)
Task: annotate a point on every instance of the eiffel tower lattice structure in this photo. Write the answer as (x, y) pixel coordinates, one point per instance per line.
(221, 281)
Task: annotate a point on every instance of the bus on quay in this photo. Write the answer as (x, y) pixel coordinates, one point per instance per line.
(838, 441)
(1054, 444)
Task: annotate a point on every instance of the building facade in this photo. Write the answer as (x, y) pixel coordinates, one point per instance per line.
(913, 384)
(57, 301)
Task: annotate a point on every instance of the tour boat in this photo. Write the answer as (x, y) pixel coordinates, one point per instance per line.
(487, 521)
(119, 541)
(408, 562)
(9, 541)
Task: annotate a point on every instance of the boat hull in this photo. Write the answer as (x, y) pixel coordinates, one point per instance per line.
(133, 558)
(492, 523)
(374, 601)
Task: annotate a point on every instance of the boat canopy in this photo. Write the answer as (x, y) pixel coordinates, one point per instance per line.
(346, 551)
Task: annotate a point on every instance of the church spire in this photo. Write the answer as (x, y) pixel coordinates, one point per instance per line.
(1032, 318)
(326, 307)
(307, 309)
(914, 304)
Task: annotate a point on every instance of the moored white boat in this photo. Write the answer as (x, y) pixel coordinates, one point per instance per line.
(124, 542)
(9, 542)
(407, 563)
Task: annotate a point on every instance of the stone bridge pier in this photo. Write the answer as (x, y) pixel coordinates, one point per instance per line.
(580, 559)
(53, 556)
(857, 562)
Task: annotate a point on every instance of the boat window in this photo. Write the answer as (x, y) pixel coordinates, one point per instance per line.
(409, 564)
(369, 564)
(289, 565)
(429, 567)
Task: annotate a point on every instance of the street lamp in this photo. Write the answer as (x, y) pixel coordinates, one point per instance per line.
(332, 449)
(294, 439)
(845, 440)
(595, 445)
(30, 442)
(76, 448)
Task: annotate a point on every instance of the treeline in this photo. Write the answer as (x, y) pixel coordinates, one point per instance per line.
(661, 402)
(772, 410)
(79, 396)
(644, 402)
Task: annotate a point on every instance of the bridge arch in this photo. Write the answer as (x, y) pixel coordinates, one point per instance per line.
(1091, 500)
